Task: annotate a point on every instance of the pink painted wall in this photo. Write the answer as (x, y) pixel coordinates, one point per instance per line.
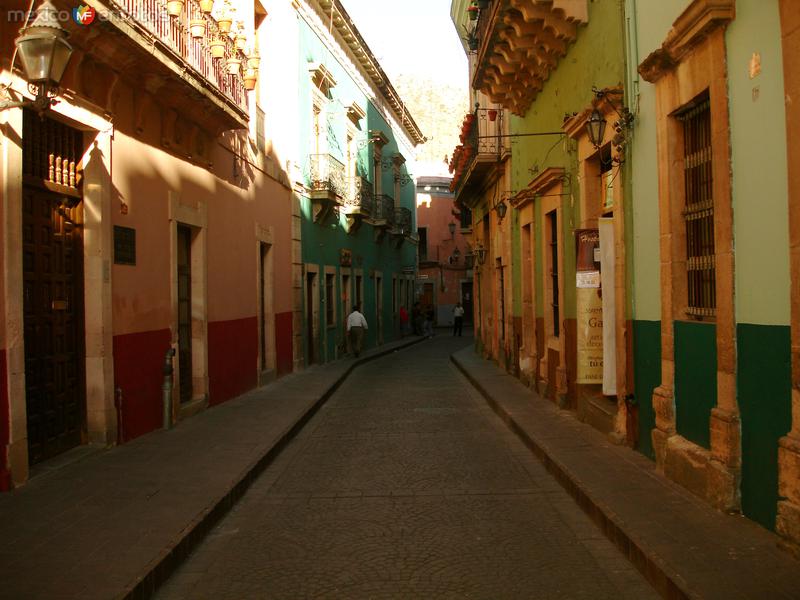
(446, 277)
(143, 174)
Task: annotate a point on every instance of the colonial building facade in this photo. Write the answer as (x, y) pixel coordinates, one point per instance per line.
(130, 210)
(354, 183)
(446, 257)
(654, 285)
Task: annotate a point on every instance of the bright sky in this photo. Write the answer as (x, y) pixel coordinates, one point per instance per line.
(411, 37)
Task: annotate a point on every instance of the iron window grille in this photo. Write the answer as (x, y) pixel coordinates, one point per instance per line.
(553, 221)
(698, 213)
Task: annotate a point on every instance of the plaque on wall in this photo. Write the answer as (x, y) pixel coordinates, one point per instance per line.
(124, 245)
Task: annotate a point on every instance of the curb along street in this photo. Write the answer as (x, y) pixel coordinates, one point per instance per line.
(637, 509)
(170, 559)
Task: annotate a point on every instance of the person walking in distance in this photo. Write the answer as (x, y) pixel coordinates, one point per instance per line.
(458, 319)
(403, 321)
(428, 329)
(356, 326)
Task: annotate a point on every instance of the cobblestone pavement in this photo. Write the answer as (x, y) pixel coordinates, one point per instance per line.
(405, 485)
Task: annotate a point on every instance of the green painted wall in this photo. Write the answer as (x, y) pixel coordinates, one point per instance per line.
(759, 165)
(647, 24)
(695, 379)
(647, 369)
(322, 244)
(595, 59)
(764, 391)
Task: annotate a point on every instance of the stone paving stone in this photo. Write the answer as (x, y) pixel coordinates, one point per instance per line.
(415, 506)
(96, 527)
(684, 547)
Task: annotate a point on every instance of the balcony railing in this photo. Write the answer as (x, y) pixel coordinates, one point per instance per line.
(326, 174)
(482, 144)
(360, 199)
(384, 209)
(194, 52)
(402, 221)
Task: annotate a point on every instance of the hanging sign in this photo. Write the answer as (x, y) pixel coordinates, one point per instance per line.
(589, 308)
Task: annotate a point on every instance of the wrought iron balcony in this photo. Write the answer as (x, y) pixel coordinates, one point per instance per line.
(326, 178)
(360, 199)
(482, 147)
(402, 221)
(384, 211)
(159, 56)
(194, 52)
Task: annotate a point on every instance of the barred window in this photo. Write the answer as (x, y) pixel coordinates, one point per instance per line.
(698, 214)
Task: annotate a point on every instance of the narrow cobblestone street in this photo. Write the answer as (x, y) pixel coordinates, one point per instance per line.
(406, 485)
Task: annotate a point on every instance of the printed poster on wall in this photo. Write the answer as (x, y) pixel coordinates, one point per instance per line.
(589, 308)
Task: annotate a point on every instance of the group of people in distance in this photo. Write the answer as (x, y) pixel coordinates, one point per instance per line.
(420, 323)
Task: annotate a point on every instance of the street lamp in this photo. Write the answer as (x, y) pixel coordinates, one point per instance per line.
(44, 52)
(480, 251)
(501, 209)
(596, 128)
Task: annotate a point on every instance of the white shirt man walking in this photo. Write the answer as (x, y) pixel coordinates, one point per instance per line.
(458, 319)
(356, 326)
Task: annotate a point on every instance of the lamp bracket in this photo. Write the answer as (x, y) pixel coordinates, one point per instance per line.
(45, 97)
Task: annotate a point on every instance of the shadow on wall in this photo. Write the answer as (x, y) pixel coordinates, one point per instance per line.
(239, 186)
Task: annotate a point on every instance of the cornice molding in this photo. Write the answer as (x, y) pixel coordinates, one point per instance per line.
(694, 24)
(349, 33)
(541, 183)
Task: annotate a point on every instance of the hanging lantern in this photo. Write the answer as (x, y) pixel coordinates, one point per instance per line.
(197, 27)
(206, 6)
(174, 8)
(43, 49)
(596, 128)
(217, 46)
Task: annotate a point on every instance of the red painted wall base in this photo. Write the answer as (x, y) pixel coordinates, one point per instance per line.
(232, 358)
(138, 363)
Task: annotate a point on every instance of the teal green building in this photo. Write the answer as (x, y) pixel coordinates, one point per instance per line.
(356, 194)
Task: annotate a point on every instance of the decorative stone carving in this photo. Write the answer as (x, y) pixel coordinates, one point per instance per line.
(525, 42)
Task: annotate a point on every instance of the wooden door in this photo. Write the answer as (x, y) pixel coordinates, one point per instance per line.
(185, 312)
(53, 323)
(427, 296)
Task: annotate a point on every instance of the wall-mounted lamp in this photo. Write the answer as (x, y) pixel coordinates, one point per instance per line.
(452, 228)
(44, 52)
(480, 252)
(596, 128)
(596, 125)
(501, 208)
